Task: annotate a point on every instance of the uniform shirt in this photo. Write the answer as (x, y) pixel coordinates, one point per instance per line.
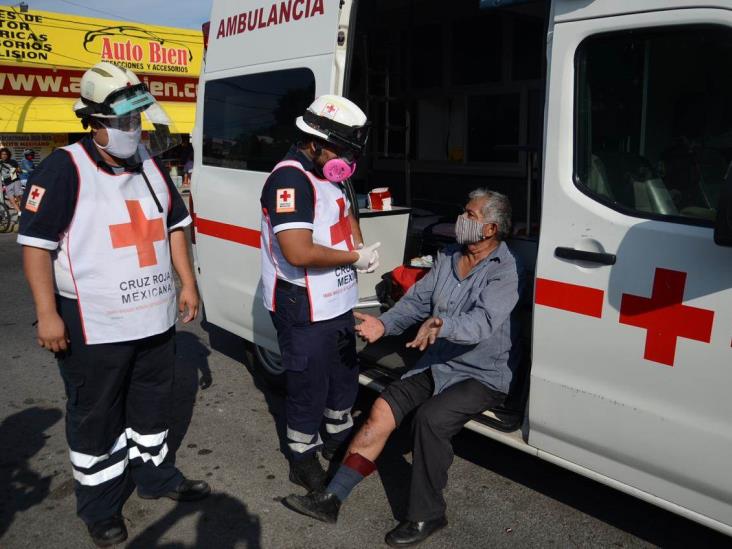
(289, 178)
(58, 178)
(295, 183)
(479, 336)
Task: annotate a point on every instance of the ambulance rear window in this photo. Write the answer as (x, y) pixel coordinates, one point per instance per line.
(653, 120)
(249, 120)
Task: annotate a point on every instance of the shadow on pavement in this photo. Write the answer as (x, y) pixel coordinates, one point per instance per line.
(641, 519)
(223, 523)
(21, 437)
(192, 373)
(236, 349)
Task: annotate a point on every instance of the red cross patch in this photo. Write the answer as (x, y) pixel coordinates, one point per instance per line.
(34, 198)
(285, 201)
(329, 111)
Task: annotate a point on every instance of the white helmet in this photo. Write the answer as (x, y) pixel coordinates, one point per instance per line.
(336, 120)
(109, 91)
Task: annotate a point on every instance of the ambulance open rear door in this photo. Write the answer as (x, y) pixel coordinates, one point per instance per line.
(266, 61)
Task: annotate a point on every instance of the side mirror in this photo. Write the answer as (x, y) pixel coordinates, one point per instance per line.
(723, 224)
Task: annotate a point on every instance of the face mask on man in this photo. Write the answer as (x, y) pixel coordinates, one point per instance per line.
(468, 231)
(122, 143)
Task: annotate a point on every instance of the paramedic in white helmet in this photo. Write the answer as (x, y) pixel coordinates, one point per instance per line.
(102, 222)
(311, 250)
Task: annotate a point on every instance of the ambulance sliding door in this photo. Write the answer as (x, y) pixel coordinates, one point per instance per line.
(265, 63)
(632, 365)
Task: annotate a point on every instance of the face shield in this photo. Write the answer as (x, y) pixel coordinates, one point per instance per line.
(134, 108)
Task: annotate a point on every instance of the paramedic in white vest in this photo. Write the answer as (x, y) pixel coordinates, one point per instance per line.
(311, 250)
(101, 224)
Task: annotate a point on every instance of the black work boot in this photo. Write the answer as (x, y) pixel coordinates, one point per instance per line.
(308, 473)
(318, 505)
(188, 490)
(409, 533)
(334, 451)
(108, 531)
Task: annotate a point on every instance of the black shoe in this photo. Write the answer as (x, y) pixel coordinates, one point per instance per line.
(318, 505)
(409, 533)
(308, 473)
(188, 490)
(108, 532)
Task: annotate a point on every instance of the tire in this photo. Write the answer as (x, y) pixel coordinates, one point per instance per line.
(269, 366)
(6, 220)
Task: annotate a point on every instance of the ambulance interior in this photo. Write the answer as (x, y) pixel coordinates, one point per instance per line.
(455, 92)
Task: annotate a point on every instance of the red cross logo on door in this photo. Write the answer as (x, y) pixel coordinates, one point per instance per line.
(342, 230)
(140, 232)
(665, 318)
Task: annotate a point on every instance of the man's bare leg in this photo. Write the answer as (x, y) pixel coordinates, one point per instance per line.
(372, 436)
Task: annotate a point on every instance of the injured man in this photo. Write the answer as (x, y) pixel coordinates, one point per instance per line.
(465, 305)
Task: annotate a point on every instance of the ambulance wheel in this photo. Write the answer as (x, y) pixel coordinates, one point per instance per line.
(269, 365)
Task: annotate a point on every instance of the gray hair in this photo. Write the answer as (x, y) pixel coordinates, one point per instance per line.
(497, 209)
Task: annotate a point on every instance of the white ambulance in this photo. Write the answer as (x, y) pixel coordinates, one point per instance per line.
(608, 123)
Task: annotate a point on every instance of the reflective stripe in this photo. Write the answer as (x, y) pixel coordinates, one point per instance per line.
(85, 461)
(334, 428)
(336, 414)
(302, 442)
(157, 460)
(297, 436)
(156, 439)
(113, 471)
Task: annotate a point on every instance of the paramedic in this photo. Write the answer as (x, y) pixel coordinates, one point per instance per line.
(101, 222)
(311, 249)
(465, 305)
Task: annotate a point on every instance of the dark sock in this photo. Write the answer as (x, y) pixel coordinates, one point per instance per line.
(352, 471)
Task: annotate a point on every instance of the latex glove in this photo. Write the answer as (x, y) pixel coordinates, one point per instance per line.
(368, 258)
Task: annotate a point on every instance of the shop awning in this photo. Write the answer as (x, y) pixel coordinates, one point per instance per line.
(51, 115)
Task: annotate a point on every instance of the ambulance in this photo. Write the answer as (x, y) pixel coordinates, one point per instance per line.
(608, 123)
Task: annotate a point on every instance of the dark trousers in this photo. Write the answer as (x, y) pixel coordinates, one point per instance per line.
(439, 418)
(119, 397)
(321, 372)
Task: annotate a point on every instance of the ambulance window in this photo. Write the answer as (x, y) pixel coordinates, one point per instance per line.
(653, 120)
(248, 120)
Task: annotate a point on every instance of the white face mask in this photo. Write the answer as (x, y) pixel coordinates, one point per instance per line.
(122, 144)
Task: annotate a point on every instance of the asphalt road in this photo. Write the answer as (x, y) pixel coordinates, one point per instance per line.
(226, 431)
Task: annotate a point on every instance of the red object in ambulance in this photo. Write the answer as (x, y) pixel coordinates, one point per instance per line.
(405, 277)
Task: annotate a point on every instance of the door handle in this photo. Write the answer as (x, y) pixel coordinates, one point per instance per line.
(594, 257)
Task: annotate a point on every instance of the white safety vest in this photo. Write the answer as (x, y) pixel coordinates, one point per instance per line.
(115, 252)
(332, 291)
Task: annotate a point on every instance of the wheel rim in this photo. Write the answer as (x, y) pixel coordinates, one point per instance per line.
(270, 361)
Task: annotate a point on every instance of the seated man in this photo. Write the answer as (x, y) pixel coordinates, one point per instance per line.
(465, 304)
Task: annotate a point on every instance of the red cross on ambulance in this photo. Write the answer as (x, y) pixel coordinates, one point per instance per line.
(663, 315)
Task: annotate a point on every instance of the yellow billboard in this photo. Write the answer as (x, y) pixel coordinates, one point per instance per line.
(62, 40)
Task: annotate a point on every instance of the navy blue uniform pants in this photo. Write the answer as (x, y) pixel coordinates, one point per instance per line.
(321, 371)
(119, 397)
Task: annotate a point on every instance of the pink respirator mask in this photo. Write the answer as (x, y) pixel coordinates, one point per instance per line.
(338, 170)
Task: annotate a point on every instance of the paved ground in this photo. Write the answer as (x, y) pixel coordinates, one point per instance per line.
(226, 432)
